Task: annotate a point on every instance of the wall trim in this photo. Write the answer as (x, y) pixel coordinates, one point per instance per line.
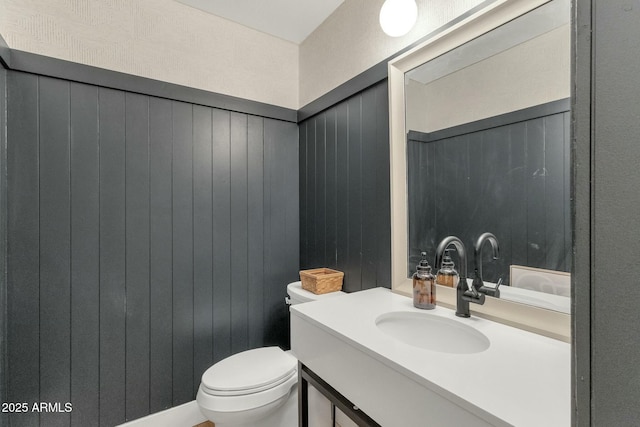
(18, 60)
(582, 192)
(529, 113)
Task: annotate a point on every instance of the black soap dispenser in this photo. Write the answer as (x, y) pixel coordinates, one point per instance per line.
(424, 285)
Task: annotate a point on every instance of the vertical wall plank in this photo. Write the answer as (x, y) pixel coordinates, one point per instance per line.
(312, 197)
(112, 257)
(221, 235)
(161, 254)
(23, 249)
(202, 244)
(342, 190)
(85, 255)
(554, 194)
(239, 235)
(568, 226)
(383, 186)
(320, 249)
(182, 252)
(304, 205)
(535, 176)
(518, 178)
(353, 275)
(137, 255)
(331, 197)
(55, 260)
(287, 194)
(255, 228)
(369, 190)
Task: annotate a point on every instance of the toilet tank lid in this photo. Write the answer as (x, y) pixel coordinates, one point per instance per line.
(295, 291)
(249, 370)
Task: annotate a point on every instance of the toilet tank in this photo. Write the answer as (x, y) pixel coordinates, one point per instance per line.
(298, 295)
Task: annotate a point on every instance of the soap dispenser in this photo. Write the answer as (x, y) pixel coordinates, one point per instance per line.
(424, 288)
(447, 275)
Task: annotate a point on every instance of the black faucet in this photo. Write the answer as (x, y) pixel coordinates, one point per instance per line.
(478, 283)
(464, 294)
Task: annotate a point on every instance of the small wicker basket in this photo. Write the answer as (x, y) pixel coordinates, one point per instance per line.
(321, 280)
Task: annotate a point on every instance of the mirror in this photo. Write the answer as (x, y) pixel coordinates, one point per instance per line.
(485, 147)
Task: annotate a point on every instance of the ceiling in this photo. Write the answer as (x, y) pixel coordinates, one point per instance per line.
(291, 20)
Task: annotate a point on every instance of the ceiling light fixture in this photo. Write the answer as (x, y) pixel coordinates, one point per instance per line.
(397, 17)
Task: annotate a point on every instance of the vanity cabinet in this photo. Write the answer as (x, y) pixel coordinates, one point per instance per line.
(521, 379)
(307, 377)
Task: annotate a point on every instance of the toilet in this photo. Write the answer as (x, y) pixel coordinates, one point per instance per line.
(258, 386)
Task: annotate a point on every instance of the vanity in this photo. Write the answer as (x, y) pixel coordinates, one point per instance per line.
(479, 119)
(410, 367)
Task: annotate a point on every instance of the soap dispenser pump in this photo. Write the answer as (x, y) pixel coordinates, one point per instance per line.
(424, 288)
(447, 275)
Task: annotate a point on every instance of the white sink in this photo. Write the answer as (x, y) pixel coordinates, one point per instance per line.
(432, 332)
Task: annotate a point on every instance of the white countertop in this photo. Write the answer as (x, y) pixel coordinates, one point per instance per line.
(523, 379)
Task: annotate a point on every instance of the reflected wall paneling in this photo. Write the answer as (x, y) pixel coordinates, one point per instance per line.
(472, 175)
(344, 190)
(147, 239)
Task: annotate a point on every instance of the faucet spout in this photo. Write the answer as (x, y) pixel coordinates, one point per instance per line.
(478, 283)
(462, 254)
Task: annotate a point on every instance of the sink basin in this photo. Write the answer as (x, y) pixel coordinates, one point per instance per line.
(432, 332)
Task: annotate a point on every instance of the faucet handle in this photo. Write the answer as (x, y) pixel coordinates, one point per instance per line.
(491, 291)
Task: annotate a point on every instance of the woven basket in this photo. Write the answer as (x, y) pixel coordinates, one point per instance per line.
(321, 280)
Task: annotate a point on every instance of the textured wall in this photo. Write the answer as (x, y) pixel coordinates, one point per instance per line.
(615, 340)
(159, 39)
(350, 41)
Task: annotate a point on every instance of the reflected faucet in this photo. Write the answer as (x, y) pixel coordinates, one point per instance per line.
(478, 282)
(464, 294)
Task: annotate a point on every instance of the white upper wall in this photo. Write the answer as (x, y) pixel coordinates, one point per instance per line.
(169, 41)
(532, 73)
(159, 39)
(351, 41)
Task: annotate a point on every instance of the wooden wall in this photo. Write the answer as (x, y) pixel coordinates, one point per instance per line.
(344, 190)
(147, 239)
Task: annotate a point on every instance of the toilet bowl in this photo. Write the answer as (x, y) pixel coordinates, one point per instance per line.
(258, 386)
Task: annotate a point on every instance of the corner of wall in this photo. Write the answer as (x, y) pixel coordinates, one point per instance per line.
(3, 241)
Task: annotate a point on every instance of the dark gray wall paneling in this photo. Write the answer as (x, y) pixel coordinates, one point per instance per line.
(147, 239)
(344, 190)
(508, 175)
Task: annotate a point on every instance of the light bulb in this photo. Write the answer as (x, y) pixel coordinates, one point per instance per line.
(397, 17)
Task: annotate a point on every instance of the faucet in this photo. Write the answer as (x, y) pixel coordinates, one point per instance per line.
(478, 283)
(464, 294)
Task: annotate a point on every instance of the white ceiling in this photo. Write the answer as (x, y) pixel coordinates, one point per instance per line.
(291, 20)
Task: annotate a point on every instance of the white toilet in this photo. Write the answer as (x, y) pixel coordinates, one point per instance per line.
(256, 387)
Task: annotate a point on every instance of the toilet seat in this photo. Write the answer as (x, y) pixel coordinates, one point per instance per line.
(250, 379)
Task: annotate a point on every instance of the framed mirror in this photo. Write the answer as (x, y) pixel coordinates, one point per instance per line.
(480, 120)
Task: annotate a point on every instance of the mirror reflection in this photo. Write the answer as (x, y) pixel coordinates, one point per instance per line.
(488, 151)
